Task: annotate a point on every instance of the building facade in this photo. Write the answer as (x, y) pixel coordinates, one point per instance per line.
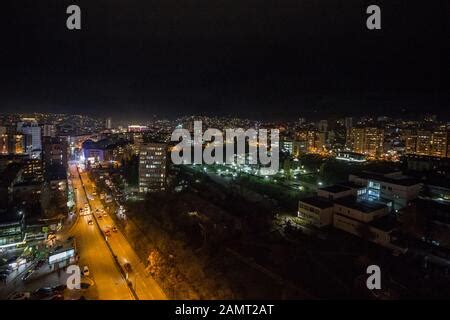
(152, 167)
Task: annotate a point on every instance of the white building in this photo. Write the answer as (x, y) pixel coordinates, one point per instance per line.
(34, 130)
(394, 189)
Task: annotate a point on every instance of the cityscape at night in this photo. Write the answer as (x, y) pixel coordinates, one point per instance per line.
(223, 151)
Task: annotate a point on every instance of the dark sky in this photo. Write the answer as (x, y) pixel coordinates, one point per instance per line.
(253, 58)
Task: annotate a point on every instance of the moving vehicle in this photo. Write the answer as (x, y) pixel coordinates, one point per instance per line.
(86, 271)
(90, 222)
(114, 229)
(127, 267)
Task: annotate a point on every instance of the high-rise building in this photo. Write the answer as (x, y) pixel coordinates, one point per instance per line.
(368, 140)
(410, 138)
(34, 130)
(439, 144)
(55, 151)
(152, 167)
(428, 142)
(373, 144)
(423, 144)
(4, 144)
(323, 126)
(33, 170)
(348, 122)
(48, 130)
(355, 139)
(108, 124)
(19, 143)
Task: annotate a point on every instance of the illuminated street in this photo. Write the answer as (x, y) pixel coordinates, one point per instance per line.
(145, 286)
(94, 253)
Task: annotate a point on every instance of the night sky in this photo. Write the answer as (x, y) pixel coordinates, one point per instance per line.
(274, 59)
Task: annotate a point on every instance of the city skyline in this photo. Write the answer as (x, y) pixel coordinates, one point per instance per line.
(274, 62)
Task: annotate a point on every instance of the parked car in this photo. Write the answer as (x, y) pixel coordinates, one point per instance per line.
(43, 292)
(114, 229)
(27, 274)
(54, 297)
(59, 289)
(20, 296)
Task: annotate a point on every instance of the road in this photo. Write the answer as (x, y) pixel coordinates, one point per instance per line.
(144, 285)
(94, 253)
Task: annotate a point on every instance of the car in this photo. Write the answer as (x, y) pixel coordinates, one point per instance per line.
(94, 193)
(84, 285)
(86, 271)
(81, 210)
(40, 263)
(59, 289)
(90, 222)
(43, 292)
(27, 274)
(127, 267)
(107, 233)
(20, 296)
(6, 271)
(99, 216)
(114, 229)
(54, 297)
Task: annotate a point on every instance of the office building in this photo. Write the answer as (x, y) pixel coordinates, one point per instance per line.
(152, 167)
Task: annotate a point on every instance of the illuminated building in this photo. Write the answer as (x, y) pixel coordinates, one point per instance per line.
(33, 170)
(34, 130)
(439, 144)
(4, 144)
(433, 143)
(55, 151)
(423, 144)
(367, 141)
(152, 167)
(48, 130)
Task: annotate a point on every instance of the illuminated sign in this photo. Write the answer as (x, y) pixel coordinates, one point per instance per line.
(61, 256)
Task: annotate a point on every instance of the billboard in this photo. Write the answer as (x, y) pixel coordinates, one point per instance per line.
(61, 256)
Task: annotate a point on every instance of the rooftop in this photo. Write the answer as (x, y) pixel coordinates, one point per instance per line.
(360, 205)
(398, 179)
(351, 185)
(386, 223)
(335, 188)
(317, 202)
